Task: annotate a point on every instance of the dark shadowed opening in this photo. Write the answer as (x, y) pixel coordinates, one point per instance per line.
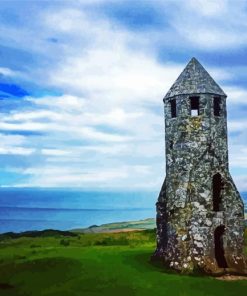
(173, 108)
(217, 186)
(219, 246)
(194, 106)
(217, 103)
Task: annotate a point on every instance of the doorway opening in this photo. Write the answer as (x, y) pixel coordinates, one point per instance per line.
(219, 246)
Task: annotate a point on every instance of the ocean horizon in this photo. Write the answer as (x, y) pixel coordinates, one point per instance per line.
(23, 209)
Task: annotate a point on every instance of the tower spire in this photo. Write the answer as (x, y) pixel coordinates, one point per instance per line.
(194, 80)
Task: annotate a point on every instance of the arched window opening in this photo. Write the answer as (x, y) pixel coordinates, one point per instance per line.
(219, 246)
(217, 186)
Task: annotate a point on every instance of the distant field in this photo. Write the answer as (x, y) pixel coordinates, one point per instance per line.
(55, 263)
(119, 226)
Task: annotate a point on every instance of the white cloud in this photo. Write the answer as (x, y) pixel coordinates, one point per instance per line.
(236, 126)
(12, 139)
(14, 145)
(241, 182)
(208, 8)
(8, 72)
(115, 75)
(16, 150)
(210, 25)
(55, 152)
(236, 95)
(68, 176)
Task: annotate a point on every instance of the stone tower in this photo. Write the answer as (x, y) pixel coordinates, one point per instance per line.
(200, 214)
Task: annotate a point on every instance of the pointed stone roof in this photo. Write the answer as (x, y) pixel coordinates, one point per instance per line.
(194, 80)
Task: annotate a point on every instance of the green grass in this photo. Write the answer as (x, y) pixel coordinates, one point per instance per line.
(96, 264)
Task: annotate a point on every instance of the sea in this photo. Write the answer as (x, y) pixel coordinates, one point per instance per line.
(23, 209)
(38, 209)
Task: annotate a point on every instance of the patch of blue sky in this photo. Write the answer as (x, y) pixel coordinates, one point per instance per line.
(16, 59)
(21, 133)
(237, 171)
(15, 105)
(73, 143)
(26, 88)
(24, 61)
(239, 80)
(110, 130)
(19, 162)
(236, 111)
(10, 16)
(233, 61)
(175, 53)
(227, 58)
(234, 134)
(39, 92)
(156, 108)
(10, 178)
(3, 95)
(135, 15)
(53, 40)
(17, 14)
(13, 90)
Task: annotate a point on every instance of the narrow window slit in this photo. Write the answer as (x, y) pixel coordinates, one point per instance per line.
(217, 106)
(217, 187)
(173, 108)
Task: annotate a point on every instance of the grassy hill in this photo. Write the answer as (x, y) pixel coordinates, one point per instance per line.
(119, 226)
(59, 263)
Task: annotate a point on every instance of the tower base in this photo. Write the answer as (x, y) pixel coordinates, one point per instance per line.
(203, 265)
(193, 240)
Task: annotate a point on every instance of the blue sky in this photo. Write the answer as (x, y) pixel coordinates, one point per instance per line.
(82, 82)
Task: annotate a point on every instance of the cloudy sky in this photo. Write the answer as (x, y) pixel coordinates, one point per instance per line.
(82, 82)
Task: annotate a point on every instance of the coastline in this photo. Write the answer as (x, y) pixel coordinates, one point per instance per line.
(116, 227)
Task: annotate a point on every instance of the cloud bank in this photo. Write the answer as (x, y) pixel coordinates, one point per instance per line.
(88, 77)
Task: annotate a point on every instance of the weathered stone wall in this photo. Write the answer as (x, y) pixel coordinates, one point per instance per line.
(196, 149)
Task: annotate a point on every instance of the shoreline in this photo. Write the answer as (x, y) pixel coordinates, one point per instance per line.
(115, 227)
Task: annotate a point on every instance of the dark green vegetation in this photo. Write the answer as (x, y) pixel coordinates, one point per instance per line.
(96, 264)
(42, 233)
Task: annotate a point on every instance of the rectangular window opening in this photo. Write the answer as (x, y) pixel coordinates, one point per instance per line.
(194, 106)
(173, 108)
(217, 106)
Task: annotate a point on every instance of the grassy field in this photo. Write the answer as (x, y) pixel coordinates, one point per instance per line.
(96, 264)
